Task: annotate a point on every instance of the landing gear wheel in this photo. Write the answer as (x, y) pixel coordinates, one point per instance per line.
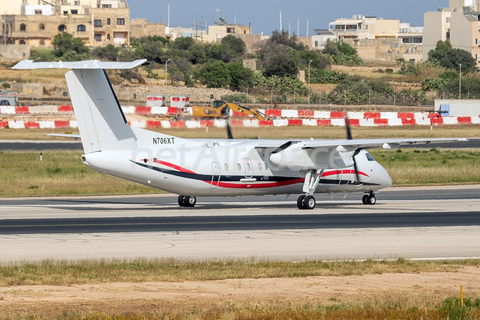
(181, 201)
(372, 200)
(306, 202)
(365, 199)
(187, 201)
(300, 202)
(190, 201)
(309, 202)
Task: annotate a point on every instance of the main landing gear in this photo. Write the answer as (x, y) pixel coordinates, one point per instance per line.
(312, 178)
(369, 198)
(187, 201)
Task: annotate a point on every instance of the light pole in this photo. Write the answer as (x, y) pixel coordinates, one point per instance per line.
(460, 83)
(309, 81)
(166, 78)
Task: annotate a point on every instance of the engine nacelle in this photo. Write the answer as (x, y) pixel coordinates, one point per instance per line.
(297, 158)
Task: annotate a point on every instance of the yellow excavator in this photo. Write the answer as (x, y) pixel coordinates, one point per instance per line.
(221, 109)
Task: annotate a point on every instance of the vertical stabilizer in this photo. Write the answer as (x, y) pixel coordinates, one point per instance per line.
(102, 124)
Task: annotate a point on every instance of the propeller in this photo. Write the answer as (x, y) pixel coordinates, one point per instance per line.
(349, 137)
(229, 130)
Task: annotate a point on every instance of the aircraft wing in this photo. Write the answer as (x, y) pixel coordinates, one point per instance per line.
(330, 154)
(356, 143)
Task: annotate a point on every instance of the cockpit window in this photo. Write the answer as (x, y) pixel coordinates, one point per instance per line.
(369, 157)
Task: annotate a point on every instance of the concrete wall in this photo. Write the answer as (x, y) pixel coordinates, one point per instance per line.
(141, 28)
(250, 64)
(14, 52)
(386, 50)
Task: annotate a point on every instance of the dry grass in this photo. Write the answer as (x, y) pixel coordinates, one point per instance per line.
(40, 75)
(59, 173)
(63, 272)
(430, 167)
(63, 173)
(243, 310)
(209, 300)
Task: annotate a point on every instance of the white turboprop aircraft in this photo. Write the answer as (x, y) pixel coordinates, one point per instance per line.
(214, 167)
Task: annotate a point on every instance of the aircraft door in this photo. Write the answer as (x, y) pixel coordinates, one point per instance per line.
(215, 175)
(248, 168)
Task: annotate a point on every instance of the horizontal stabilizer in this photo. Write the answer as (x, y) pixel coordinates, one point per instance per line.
(88, 64)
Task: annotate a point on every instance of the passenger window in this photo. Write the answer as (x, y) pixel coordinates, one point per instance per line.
(369, 157)
(226, 167)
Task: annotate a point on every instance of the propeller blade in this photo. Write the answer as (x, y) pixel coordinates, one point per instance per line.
(229, 130)
(355, 165)
(349, 137)
(347, 126)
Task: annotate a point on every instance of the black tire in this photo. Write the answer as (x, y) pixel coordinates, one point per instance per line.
(365, 199)
(300, 202)
(372, 200)
(190, 201)
(181, 201)
(309, 202)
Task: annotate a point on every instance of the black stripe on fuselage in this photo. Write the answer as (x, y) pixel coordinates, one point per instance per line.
(229, 178)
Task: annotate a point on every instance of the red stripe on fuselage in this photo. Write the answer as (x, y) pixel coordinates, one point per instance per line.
(335, 172)
(258, 185)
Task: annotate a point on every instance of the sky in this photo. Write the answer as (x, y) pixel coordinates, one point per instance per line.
(264, 15)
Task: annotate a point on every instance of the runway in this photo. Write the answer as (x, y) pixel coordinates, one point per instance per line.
(42, 145)
(435, 222)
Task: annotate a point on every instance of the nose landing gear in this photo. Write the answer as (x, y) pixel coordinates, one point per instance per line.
(369, 198)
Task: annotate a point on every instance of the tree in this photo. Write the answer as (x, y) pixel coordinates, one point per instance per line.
(331, 48)
(234, 44)
(282, 37)
(240, 77)
(454, 57)
(183, 43)
(214, 74)
(439, 52)
(109, 52)
(279, 60)
(68, 47)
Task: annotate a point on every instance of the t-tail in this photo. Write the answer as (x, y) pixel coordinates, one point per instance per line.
(101, 121)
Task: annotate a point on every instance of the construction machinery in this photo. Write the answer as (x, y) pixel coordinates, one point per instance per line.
(222, 109)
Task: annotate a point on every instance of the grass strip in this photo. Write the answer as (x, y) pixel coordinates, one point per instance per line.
(65, 272)
(62, 173)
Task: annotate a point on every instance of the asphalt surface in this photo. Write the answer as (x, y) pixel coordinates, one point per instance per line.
(73, 145)
(229, 223)
(197, 219)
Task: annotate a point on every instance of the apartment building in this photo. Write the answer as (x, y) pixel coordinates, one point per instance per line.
(459, 24)
(96, 22)
(223, 28)
(379, 39)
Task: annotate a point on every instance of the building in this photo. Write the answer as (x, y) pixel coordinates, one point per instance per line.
(361, 27)
(436, 28)
(465, 32)
(96, 22)
(458, 24)
(222, 29)
(320, 39)
(378, 39)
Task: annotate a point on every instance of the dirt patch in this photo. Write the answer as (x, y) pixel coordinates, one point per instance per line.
(412, 290)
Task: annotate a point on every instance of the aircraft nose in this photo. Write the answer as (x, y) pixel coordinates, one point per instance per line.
(387, 180)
